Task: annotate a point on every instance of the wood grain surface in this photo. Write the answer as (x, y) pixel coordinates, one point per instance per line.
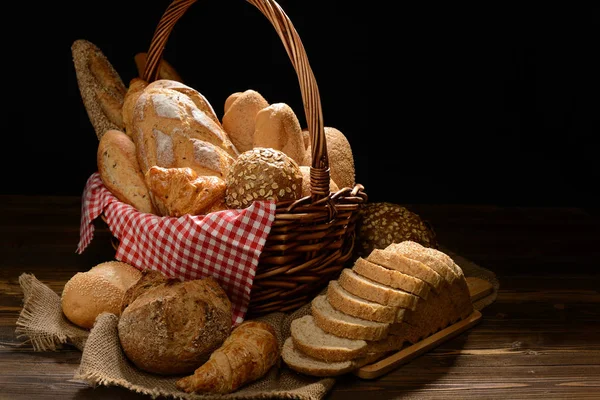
(540, 339)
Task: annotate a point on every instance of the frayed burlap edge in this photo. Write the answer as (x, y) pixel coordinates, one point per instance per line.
(48, 330)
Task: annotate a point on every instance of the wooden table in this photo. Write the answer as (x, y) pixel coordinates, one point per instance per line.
(540, 339)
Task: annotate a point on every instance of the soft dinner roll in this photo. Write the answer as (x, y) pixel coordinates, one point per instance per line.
(88, 294)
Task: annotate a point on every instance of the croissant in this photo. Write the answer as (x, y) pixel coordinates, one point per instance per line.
(179, 191)
(246, 355)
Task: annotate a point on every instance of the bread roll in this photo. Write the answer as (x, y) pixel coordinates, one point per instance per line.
(229, 101)
(120, 172)
(381, 224)
(245, 356)
(278, 127)
(262, 174)
(101, 88)
(165, 69)
(341, 159)
(173, 327)
(165, 120)
(239, 120)
(101, 289)
(306, 186)
(179, 191)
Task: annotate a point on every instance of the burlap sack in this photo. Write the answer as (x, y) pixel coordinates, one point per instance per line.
(103, 363)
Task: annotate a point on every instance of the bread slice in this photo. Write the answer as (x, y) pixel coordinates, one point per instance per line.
(416, 251)
(346, 302)
(315, 342)
(392, 278)
(337, 323)
(396, 261)
(360, 286)
(300, 362)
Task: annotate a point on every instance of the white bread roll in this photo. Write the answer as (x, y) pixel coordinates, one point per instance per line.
(239, 120)
(101, 289)
(278, 127)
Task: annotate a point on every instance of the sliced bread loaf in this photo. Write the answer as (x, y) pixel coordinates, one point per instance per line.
(300, 362)
(360, 286)
(346, 302)
(315, 342)
(416, 251)
(396, 261)
(392, 278)
(337, 323)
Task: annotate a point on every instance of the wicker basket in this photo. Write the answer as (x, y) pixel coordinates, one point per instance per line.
(312, 238)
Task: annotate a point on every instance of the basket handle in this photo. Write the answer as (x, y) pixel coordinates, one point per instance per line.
(319, 170)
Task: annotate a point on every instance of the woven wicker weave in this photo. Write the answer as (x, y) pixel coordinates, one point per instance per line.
(312, 238)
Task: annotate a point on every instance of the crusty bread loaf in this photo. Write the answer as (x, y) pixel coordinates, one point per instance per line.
(173, 327)
(368, 289)
(120, 172)
(315, 342)
(101, 289)
(262, 174)
(180, 191)
(206, 159)
(165, 69)
(343, 325)
(392, 278)
(396, 261)
(149, 278)
(306, 185)
(239, 120)
(307, 365)
(198, 98)
(277, 127)
(102, 89)
(165, 120)
(341, 159)
(382, 223)
(135, 89)
(346, 302)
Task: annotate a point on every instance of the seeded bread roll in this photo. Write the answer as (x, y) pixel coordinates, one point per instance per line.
(381, 224)
(278, 127)
(102, 89)
(239, 120)
(262, 174)
(341, 159)
(101, 289)
(120, 172)
(343, 325)
(172, 328)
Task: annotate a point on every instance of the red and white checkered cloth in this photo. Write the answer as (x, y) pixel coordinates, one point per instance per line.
(225, 244)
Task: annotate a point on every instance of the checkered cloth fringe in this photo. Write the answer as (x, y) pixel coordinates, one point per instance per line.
(225, 244)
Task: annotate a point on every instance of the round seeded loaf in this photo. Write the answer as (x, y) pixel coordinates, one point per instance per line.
(262, 174)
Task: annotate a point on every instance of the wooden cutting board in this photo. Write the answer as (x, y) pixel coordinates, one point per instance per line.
(478, 288)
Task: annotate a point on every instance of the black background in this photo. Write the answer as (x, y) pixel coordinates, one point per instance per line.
(489, 104)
